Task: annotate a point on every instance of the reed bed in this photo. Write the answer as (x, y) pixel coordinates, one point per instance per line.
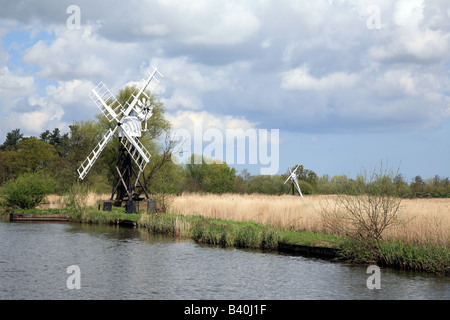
(54, 201)
(419, 220)
(284, 212)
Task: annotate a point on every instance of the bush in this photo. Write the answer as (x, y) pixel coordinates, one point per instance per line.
(27, 190)
(364, 212)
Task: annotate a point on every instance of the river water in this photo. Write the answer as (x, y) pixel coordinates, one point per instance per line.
(123, 263)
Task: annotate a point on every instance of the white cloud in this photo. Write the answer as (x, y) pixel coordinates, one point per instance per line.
(301, 79)
(408, 13)
(418, 33)
(209, 22)
(183, 100)
(262, 61)
(71, 92)
(182, 73)
(38, 115)
(79, 54)
(415, 45)
(159, 30)
(187, 119)
(408, 82)
(12, 84)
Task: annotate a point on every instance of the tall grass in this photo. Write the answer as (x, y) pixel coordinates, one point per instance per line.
(286, 212)
(420, 221)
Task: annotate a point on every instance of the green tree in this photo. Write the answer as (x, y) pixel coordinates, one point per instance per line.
(265, 184)
(213, 177)
(12, 140)
(32, 155)
(6, 171)
(418, 184)
(168, 179)
(60, 142)
(220, 178)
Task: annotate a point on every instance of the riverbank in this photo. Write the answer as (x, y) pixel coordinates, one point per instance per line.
(246, 234)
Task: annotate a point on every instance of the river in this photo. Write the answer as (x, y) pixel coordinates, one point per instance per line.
(123, 263)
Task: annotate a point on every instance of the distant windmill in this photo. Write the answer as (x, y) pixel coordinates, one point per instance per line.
(293, 178)
(129, 121)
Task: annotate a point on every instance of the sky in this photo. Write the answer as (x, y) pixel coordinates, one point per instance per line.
(337, 86)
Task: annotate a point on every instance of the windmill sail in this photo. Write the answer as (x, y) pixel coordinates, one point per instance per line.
(295, 181)
(106, 102)
(152, 83)
(90, 160)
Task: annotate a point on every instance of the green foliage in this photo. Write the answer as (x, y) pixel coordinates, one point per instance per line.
(60, 142)
(429, 257)
(264, 184)
(34, 155)
(6, 168)
(27, 190)
(212, 177)
(238, 234)
(305, 187)
(168, 179)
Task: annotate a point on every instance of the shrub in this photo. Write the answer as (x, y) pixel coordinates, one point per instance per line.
(364, 213)
(27, 190)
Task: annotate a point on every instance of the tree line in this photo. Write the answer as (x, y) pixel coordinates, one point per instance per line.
(59, 155)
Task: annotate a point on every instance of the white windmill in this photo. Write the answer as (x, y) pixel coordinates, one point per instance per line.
(129, 124)
(294, 181)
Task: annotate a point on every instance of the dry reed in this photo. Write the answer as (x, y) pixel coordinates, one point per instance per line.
(277, 211)
(57, 201)
(420, 220)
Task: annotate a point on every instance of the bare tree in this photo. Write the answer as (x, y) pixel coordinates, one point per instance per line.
(365, 216)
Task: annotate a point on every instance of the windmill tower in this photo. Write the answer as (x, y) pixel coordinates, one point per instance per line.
(132, 156)
(294, 181)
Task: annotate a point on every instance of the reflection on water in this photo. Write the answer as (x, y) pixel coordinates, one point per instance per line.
(122, 263)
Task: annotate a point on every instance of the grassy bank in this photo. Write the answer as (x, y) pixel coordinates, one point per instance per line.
(429, 257)
(231, 233)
